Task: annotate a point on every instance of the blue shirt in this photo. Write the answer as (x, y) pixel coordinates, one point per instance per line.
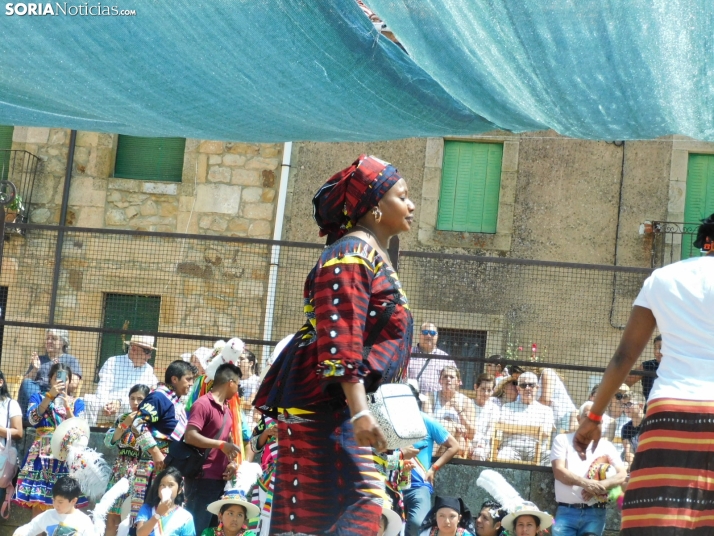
(178, 523)
(435, 433)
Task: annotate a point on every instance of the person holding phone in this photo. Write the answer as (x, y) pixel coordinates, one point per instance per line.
(40, 471)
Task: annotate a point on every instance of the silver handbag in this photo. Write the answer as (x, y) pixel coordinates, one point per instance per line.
(397, 413)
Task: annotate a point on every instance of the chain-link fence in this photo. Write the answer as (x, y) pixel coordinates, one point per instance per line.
(99, 288)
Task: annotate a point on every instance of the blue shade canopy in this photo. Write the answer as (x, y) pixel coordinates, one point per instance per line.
(276, 70)
(599, 69)
(242, 70)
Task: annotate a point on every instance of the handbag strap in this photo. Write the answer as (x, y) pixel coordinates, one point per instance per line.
(379, 325)
(218, 435)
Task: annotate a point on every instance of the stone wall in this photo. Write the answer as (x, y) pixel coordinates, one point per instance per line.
(206, 287)
(226, 188)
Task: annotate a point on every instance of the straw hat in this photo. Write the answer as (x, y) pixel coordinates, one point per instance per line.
(527, 509)
(72, 432)
(394, 520)
(234, 496)
(145, 341)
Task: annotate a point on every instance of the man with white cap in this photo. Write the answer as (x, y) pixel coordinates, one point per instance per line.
(525, 411)
(118, 374)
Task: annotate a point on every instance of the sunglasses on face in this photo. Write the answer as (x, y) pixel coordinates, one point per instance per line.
(431, 332)
(628, 404)
(619, 396)
(527, 385)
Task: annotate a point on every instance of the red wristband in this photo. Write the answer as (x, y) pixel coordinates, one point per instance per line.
(594, 417)
(220, 445)
(435, 468)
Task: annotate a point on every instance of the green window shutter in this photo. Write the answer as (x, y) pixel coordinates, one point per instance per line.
(699, 199)
(150, 159)
(470, 186)
(5, 146)
(127, 311)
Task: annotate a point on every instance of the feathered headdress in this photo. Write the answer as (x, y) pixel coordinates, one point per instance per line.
(498, 488)
(99, 514)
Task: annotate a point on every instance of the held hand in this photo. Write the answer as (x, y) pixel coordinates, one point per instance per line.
(35, 361)
(587, 431)
(369, 434)
(409, 452)
(164, 506)
(112, 407)
(158, 457)
(130, 418)
(230, 450)
(56, 390)
(430, 476)
(586, 496)
(593, 487)
(230, 471)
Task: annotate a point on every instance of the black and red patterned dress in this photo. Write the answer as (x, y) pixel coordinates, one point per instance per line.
(325, 482)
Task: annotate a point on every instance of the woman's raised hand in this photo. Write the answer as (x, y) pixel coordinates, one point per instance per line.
(369, 434)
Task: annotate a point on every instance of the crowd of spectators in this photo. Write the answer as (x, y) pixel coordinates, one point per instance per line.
(513, 413)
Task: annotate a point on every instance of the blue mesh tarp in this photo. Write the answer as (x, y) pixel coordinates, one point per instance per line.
(274, 70)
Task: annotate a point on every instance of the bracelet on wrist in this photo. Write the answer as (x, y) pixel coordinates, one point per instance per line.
(359, 415)
(595, 417)
(221, 444)
(435, 468)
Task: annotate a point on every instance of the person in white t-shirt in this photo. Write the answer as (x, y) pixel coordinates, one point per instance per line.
(64, 518)
(10, 420)
(578, 511)
(525, 411)
(677, 299)
(487, 412)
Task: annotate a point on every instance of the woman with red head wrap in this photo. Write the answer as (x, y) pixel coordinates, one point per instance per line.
(326, 477)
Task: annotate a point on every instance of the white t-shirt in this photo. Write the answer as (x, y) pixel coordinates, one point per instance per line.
(11, 406)
(77, 524)
(562, 449)
(535, 414)
(681, 298)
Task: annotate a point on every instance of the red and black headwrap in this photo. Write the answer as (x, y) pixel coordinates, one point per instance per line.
(350, 194)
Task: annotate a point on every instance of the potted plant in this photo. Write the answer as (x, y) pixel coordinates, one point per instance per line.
(13, 209)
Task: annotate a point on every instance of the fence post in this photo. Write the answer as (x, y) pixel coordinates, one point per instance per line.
(62, 223)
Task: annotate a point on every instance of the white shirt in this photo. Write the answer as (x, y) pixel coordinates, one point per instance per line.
(55, 524)
(560, 401)
(118, 375)
(13, 408)
(562, 449)
(429, 379)
(486, 417)
(535, 414)
(681, 298)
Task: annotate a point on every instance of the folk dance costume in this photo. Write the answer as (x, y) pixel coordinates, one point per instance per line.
(40, 471)
(262, 495)
(130, 461)
(161, 418)
(325, 483)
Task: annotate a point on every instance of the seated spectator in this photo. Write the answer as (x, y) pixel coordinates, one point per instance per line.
(648, 366)
(487, 413)
(452, 409)
(526, 411)
(117, 376)
(552, 393)
(496, 367)
(574, 491)
(426, 370)
(634, 406)
(617, 412)
(506, 392)
(37, 376)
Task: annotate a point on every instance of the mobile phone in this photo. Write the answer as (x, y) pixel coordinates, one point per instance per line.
(61, 376)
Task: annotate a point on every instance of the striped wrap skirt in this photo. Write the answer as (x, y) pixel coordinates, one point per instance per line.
(671, 487)
(324, 482)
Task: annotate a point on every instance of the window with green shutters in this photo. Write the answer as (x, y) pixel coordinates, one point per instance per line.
(131, 312)
(5, 146)
(699, 199)
(150, 159)
(470, 186)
